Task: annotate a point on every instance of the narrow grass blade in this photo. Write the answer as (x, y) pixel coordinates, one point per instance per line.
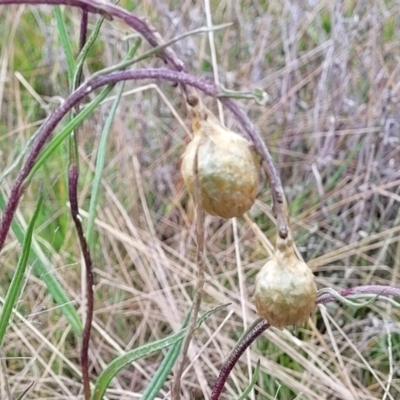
(65, 42)
(165, 367)
(16, 283)
(101, 156)
(252, 383)
(120, 362)
(42, 268)
(103, 147)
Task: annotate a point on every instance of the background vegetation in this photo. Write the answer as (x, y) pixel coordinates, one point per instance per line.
(331, 70)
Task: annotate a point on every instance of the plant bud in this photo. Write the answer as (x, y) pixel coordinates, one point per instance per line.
(285, 291)
(227, 166)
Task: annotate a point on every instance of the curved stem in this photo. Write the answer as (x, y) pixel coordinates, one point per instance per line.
(142, 26)
(377, 290)
(279, 206)
(74, 99)
(234, 357)
(88, 87)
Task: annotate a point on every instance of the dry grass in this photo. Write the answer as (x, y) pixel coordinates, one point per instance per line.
(332, 72)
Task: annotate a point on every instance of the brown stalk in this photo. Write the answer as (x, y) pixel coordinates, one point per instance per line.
(200, 234)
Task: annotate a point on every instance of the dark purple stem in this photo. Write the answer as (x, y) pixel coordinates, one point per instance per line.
(278, 196)
(8, 214)
(263, 325)
(73, 197)
(82, 41)
(377, 290)
(234, 357)
(73, 193)
(83, 30)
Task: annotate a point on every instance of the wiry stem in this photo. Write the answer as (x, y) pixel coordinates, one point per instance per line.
(377, 290)
(73, 196)
(83, 29)
(200, 233)
(279, 206)
(87, 294)
(143, 27)
(76, 97)
(234, 358)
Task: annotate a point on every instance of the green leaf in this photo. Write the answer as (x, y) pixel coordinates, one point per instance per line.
(74, 83)
(165, 367)
(252, 383)
(16, 283)
(42, 268)
(65, 42)
(101, 155)
(119, 363)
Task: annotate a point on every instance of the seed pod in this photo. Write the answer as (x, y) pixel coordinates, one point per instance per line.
(227, 166)
(285, 291)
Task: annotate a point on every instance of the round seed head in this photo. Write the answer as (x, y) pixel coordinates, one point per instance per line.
(227, 167)
(285, 291)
